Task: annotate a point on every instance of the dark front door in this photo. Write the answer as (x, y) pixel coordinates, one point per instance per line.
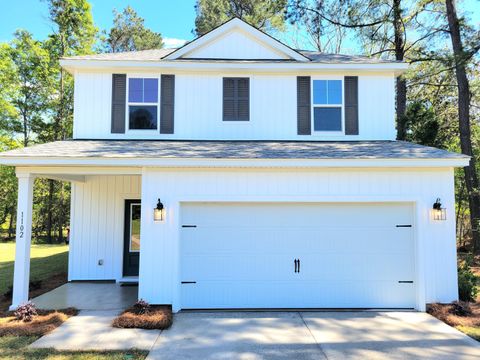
(131, 249)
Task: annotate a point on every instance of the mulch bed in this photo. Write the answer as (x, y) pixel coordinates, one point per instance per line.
(446, 313)
(43, 323)
(156, 317)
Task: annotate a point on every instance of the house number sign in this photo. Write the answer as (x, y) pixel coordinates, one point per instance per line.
(22, 227)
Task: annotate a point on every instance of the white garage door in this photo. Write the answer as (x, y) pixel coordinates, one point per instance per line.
(243, 255)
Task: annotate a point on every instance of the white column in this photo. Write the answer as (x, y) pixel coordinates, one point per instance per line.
(23, 237)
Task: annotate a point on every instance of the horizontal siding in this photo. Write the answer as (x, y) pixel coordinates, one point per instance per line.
(97, 226)
(198, 109)
(159, 264)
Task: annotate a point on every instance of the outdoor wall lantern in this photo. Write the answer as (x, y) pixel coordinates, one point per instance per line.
(438, 213)
(159, 212)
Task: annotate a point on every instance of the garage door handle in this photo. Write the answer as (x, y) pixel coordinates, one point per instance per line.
(296, 264)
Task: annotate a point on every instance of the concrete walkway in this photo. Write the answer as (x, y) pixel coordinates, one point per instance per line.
(92, 330)
(312, 335)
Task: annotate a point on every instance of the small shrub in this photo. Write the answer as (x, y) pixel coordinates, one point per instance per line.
(26, 312)
(467, 281)
(461, 308)
(141, 307)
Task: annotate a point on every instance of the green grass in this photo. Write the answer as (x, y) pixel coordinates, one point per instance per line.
(46, 260)
(15, 348)
(473, 332)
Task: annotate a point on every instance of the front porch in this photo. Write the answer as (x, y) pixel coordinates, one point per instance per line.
(89, 296)
(99, 246)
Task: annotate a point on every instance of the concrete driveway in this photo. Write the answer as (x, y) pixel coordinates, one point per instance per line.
(311, 335)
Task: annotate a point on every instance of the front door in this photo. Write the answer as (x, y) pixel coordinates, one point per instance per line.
(131, 249)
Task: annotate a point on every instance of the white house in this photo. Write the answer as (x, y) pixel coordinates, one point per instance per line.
(281, 182)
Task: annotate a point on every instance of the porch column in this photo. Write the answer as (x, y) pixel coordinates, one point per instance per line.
(23, 239)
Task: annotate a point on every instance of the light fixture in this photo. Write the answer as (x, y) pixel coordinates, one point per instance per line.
(438, 213)
(159, 212)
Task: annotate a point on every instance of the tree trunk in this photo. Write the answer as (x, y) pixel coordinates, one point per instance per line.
(50, 212)
(11, 229)
(471, 178)
(401, 86)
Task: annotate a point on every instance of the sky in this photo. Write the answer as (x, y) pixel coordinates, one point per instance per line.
(174, 19)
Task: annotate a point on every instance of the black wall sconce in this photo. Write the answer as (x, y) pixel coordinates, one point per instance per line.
(438, 213)
(159, 212)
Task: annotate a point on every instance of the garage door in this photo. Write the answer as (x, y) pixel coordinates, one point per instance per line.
(270, 255)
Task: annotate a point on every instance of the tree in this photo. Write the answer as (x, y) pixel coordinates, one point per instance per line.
(266, 15)
(74, 34)
(26, 66)
(471, 176)
(130, 34)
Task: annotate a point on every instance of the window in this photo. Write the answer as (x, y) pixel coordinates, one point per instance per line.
(236, 99)
(327, 105)
(142, 104)
(135, 218)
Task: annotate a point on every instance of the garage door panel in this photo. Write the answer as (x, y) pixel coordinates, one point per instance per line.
(240, 255)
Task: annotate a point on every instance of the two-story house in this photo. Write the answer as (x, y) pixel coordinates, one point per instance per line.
(237, 172)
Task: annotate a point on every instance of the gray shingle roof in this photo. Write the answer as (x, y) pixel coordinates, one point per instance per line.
(159, 54)
(230, 150)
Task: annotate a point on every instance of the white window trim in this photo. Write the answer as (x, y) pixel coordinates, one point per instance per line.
(130, 235)
(332, 133)
(127, 104)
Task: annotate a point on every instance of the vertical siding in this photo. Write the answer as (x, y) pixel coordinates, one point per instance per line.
(97, 226)
(198, 109)
(235, 45)
(159, 263)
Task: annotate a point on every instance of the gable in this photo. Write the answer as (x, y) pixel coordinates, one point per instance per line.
(236, 44)
(236, 40)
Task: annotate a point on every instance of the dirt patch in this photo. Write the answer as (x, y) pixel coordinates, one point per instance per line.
(46, 285)
(43, 323)
(157, 317)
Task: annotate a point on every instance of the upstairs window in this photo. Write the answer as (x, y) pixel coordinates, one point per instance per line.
(236, 99)
(142, 103)
(327, 105)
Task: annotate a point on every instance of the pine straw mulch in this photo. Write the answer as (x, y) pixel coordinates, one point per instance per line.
(43, 323)
(156, 317)
(445, 312)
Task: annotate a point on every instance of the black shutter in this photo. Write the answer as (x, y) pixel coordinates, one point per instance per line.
(236, 99)
(304, 122)
(167, 100)
(119, 94)
(351, 105)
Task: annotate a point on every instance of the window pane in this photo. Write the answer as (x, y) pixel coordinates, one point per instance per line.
(135, 227)
(320, 91)
(334, 91)
(142, 117)
(135, 90)
(327, 119)
(150, 87)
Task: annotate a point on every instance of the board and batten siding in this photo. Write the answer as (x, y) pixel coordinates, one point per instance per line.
(435, 240)
(198, 109)
(97, 217)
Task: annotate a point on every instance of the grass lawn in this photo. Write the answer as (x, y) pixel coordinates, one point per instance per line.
(46, 260)
(15, 348)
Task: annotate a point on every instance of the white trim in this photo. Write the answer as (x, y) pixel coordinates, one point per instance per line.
(228, 26)
(326, 133)
(129, 161)
(219, 65)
